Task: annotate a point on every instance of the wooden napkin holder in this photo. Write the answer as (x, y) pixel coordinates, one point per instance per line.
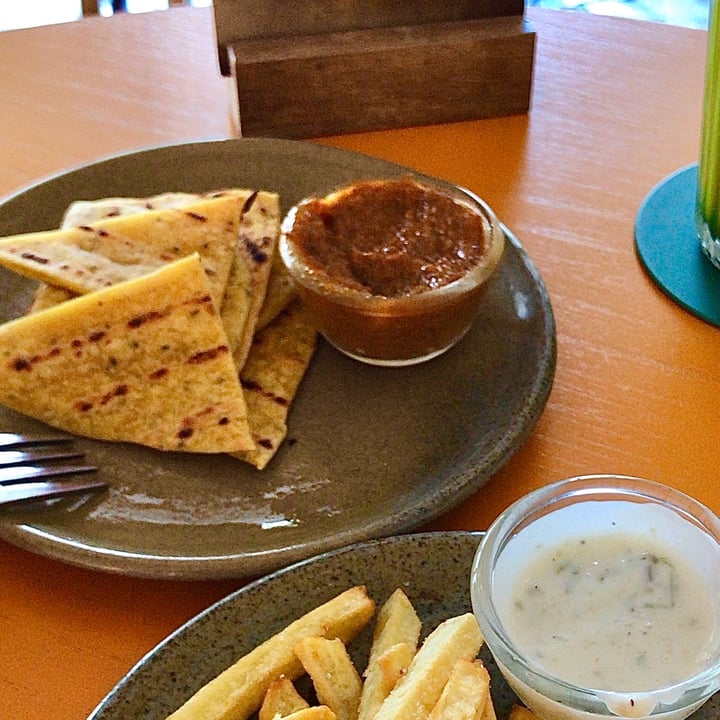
(312, 68)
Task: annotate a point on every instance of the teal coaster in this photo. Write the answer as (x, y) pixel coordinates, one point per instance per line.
(668, 247)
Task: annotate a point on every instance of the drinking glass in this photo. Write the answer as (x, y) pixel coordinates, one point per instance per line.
(708, 193)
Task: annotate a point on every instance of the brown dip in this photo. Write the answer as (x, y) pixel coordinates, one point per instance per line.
(390, 238)
(392, 270)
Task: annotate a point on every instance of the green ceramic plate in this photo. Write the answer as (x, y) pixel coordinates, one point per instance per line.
(371, 451)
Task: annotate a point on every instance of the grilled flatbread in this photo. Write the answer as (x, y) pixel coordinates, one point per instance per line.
(47, 296)
(279, 356)
(257, 242)
(86, 212)
(279, 287)
(280, 292)
(237, 303)
(143, 361)
(270, 334)
(91, 257)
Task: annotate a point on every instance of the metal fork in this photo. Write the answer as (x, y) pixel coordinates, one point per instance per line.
(38, 468)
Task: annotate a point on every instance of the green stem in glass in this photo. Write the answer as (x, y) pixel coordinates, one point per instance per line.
(709, 168)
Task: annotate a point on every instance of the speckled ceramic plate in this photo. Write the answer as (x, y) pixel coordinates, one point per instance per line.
(432, 568)
(370, 452)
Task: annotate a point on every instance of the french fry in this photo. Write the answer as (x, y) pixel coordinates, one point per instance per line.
(316, 712)
(466, 693)
(281, 699)
(397, 623)
(520, 712)
(238, 691)
(334, 677)
(393, 664)
(488, 712)
(419, 690)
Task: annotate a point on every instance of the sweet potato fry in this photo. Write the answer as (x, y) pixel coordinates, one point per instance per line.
(334, 677)
(238, 691)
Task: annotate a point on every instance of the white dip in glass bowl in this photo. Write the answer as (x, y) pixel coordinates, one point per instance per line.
(599, 596)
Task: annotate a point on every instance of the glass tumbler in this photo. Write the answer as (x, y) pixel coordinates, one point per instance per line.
(708, 193)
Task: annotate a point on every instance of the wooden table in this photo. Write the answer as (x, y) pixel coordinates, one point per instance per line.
(616, 107)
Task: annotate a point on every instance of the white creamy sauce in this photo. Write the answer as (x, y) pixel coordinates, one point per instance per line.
(612, 612)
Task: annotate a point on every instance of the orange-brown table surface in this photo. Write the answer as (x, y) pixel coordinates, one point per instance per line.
(616, 107)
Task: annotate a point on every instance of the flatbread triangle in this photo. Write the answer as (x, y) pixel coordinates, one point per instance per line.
(279, 356)
(257, 243)
(258, 286)
(272, 337)
(143, 361)
(91, 257)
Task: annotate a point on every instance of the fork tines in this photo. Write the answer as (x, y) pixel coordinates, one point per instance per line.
(12, 440)
(36, 468)
(23, 473)
(10, 458)
(46, 490)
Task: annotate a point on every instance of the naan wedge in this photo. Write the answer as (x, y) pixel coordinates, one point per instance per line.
(144, 361)
(87, 258)
(279, 356)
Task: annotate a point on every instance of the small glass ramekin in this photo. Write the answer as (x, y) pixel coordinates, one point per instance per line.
(576, 507)
(398, 330)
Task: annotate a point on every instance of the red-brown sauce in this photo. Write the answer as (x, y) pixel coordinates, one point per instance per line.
(390, 238)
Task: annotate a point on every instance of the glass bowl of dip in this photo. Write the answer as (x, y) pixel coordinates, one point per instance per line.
(599, 596)
(394, 270)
